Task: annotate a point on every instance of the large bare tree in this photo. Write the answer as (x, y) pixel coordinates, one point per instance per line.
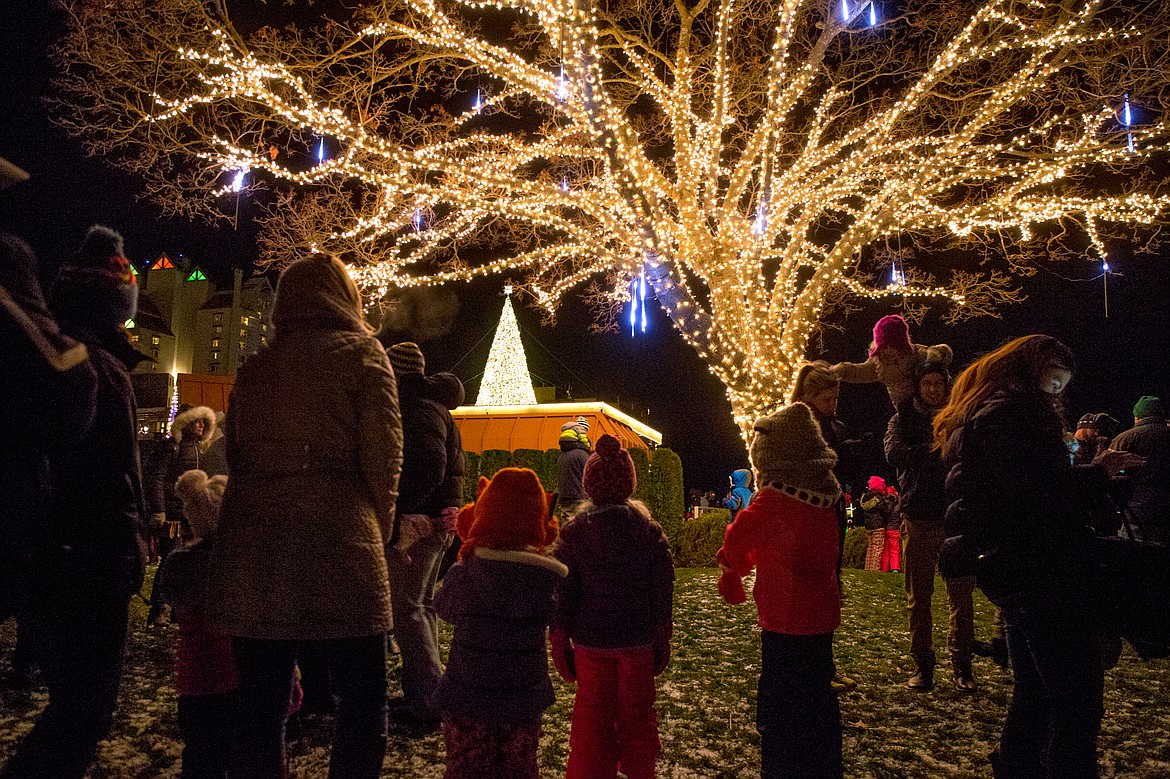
(760, 162)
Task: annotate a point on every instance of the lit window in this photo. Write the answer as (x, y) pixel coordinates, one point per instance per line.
(263, 340)
(215, 355)
(154, 341)
(263, 328)
(216, 319)
(243, 333)
(241, 346)
(217, 329)
(214, 343)
(243, 320)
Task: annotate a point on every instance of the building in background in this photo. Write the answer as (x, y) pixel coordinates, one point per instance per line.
(188, 327)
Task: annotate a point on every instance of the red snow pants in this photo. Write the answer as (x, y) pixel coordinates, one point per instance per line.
(614, 721)
(892, 552)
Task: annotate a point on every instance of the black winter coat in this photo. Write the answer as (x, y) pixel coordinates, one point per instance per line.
(97, 518)
(1149, 499)
(170, 461)
(432, 449)
(620, 586)
(1016, 497)
(922, 476)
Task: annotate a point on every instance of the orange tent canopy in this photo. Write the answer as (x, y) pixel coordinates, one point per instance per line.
(539, 427)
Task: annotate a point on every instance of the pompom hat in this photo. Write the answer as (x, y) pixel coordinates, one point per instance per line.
(789, 453)
(609, 472)
(97, 282)
(876, 483)
(511, 511)
(891, 332)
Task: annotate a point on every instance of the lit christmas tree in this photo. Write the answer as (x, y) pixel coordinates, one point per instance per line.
(505, 380)
(755, 160)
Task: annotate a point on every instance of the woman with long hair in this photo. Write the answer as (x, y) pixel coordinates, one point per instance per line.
(1013, 495)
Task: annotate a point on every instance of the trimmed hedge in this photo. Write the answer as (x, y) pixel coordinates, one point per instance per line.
(493, 460)
(668, 502)
(533, 459)
(644, 491)
(551, 471)
(700, 538)
(856, 540)
(470, 476)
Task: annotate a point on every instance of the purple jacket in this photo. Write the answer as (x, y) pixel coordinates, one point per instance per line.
(620, 586)
(500, 602)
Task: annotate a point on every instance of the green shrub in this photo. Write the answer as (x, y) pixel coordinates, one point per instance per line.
(669, 503)
(532, 459)
(551, 472)
(645, 489)
(700, 538)
(856, 540)
(470, 476)
(493, 460)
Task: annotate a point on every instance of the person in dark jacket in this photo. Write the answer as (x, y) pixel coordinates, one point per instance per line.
(878, 509)
(1149, 499)
(92, 555)
(571, 466)
(923, 505)
(499, 597)
(430, 492)
(1014, 499)
(612, 627)
(194, 428)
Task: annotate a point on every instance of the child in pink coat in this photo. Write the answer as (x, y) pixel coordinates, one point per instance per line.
(789, 535)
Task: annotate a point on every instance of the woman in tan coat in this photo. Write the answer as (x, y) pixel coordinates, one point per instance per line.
(314, 450)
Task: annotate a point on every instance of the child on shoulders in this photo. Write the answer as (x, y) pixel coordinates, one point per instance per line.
(789, 535)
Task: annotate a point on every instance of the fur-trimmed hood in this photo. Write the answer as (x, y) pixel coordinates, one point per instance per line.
(191, 415)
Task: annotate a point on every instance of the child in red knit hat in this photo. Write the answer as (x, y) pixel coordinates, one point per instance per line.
(499, 597)
(611, 633)
(789, 535)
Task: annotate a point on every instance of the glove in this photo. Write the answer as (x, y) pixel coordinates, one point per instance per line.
(661, 648)
(445, 522)
(562, 654)
(158, 520)
(730, 583)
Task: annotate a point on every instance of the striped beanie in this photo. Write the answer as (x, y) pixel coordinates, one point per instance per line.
(406, 357)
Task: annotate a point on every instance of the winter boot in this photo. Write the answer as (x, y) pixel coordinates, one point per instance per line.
(923, 679)
(964, 679)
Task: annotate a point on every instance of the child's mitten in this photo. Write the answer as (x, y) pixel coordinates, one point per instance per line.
(562, 654)
(730, 583)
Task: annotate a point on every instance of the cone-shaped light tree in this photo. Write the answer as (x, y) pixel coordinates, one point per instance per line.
(505, 379)
(755, 159)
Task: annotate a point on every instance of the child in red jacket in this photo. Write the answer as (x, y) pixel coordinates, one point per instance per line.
(611, 632)
(789, 535)
(205, 670)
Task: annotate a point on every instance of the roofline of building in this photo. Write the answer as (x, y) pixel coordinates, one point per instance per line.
(568, 409)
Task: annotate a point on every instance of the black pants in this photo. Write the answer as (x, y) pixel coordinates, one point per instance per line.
(206, 723)
(797, 714)
(82, 621)
(357, 671)
(1057, 700)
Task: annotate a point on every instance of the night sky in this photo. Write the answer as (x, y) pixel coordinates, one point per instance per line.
(1119, 358)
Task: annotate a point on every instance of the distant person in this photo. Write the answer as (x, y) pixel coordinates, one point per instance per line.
(611, 632)
(91, 554)
(193, 430)
(205, 669)
(1013, 520)
(922, 506)
(789, 535)
(574, 444)
(1149, 498)
(741, 493)
(430, 493)
(893, 357)
(499, 597)
(314, 446)
(877, 510)
(215, 458)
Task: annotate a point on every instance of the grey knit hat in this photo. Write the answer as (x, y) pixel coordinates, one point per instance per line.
(788, 451)
(406, 357)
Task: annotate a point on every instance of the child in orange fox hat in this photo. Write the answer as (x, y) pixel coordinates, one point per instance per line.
(499, 597)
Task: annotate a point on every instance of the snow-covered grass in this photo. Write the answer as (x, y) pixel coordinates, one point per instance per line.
(706, 701)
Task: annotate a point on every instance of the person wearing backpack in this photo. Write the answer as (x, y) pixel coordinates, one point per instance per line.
(741, 492)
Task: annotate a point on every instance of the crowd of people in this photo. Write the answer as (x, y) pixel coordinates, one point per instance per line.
(318, 526)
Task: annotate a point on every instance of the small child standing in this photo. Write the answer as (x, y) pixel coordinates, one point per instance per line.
(611, 633)
(789, 534)
(205, 671)
(879, 510)
(499, 597)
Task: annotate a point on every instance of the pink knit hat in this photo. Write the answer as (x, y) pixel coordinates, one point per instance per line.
(876, 483)
(891, 332)
(609, 472)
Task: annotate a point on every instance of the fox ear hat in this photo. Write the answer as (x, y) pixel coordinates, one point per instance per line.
(511, 511)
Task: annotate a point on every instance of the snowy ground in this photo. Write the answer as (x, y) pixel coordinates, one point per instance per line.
(706, 701)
